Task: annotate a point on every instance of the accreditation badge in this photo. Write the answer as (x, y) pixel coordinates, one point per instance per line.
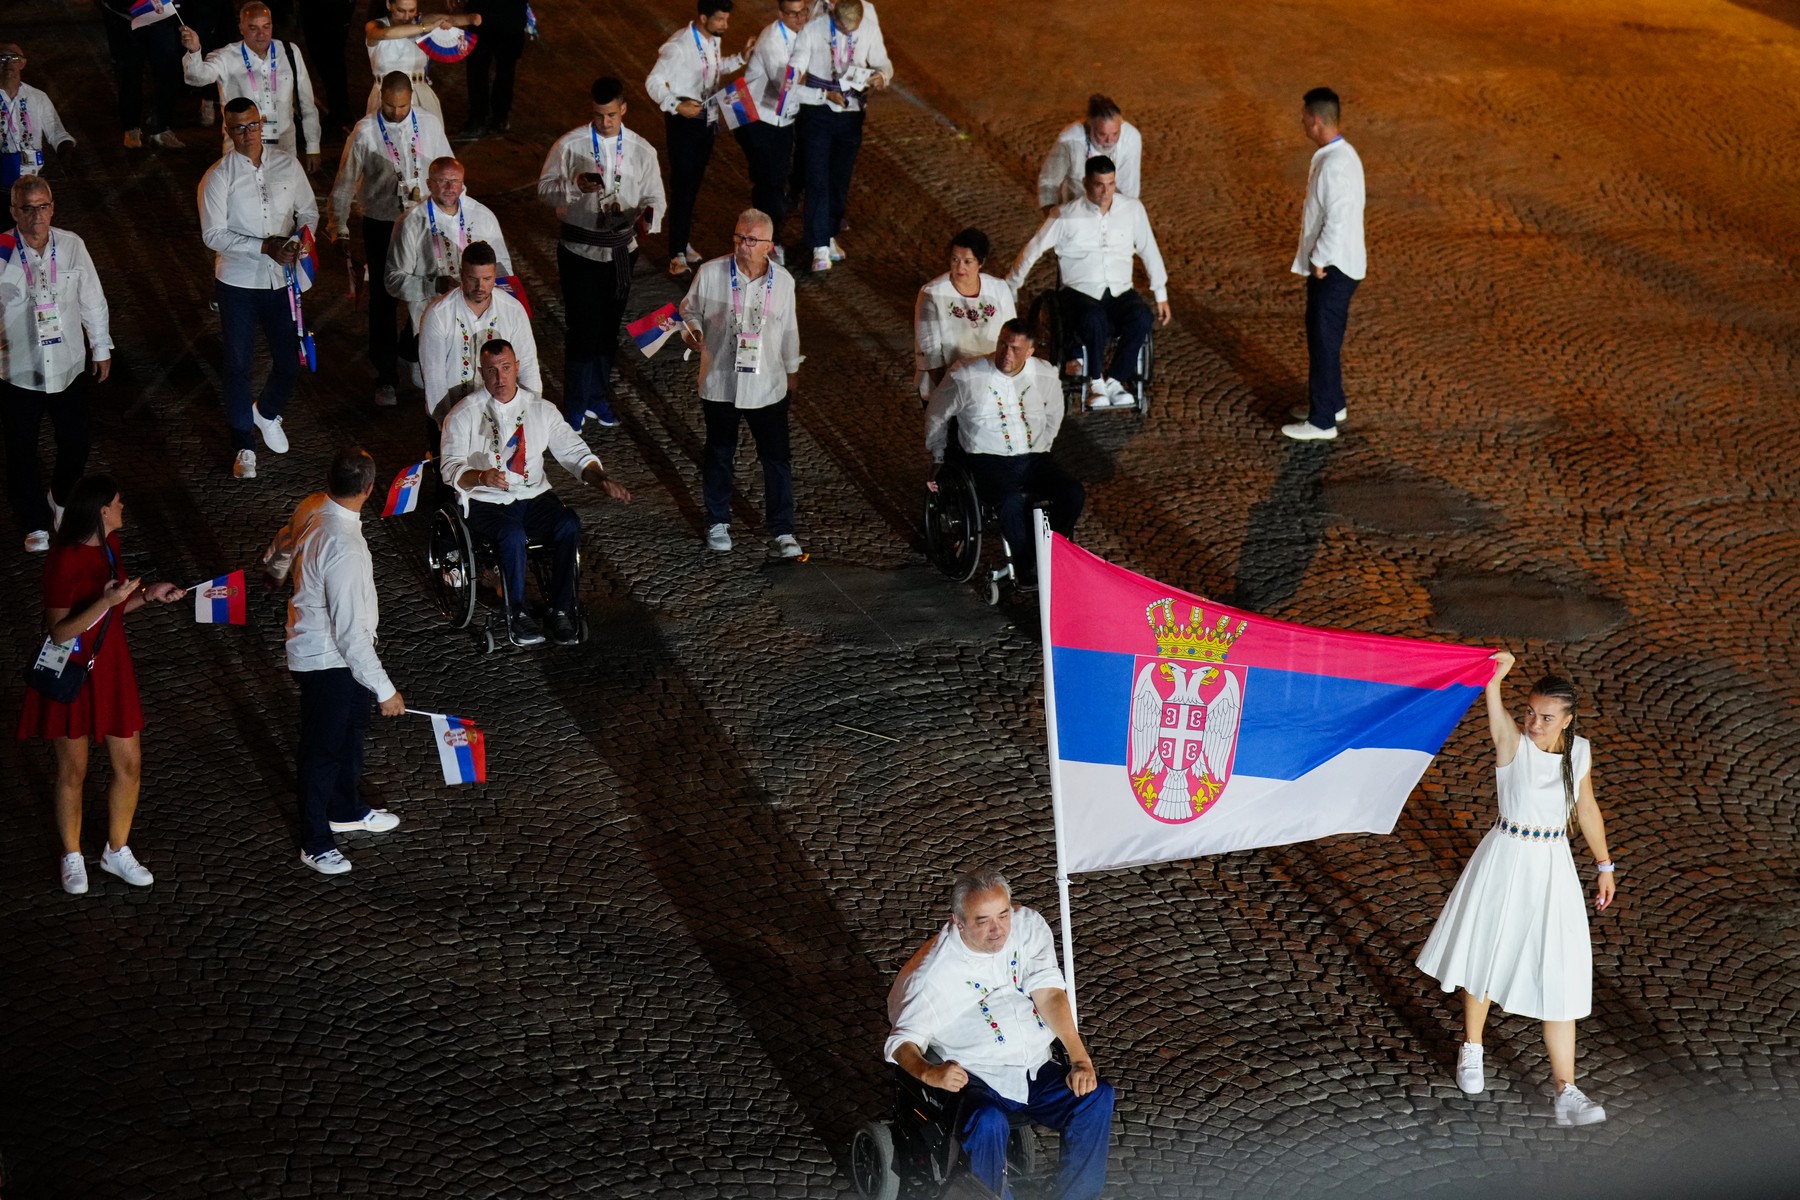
(49, 325)
(749, 353)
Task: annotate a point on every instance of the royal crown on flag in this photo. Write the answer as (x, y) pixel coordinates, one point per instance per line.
(1191, 639)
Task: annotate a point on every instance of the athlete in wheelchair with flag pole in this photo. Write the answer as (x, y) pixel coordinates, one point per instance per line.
(1005, 408)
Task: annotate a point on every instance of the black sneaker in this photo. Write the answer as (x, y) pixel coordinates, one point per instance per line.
(523, 630)
(562, 628)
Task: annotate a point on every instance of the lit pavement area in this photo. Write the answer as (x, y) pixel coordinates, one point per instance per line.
(649, 957)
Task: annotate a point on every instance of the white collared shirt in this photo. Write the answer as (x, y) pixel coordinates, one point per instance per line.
(827, 51)
(632, 182)
(996, 413)
(949, 326)
(334, 611)
(1065, 167)
(28, 281)
(451, 335)
(479, 431)
(688, 67)
(385, 175)
(764, 306)
(242, 203)
(1331, 225)
(1094, 248)
(270, 81)
(766, 73)
(428, 244)
(976, 1009)
(27, 121)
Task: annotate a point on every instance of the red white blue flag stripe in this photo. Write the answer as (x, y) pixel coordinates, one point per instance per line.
(403, 493)
(221, 601)
(650, 331)
(462, 750)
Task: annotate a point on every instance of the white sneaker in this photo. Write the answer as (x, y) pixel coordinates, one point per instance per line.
(37, 541)
(123, 863)
(787, 547)
(1302, 412)
(1098, 395)
(272, 435)
(245, 466)
(821, 258)
(1573, 1108)
(385, 396)
(718, 537)
(55, 510)
(332, 862)
(1469, 1074)
(1306, 431)
(166, 140)
(837, 251)
(377, 820)
(1122, 396)
(694, 257)
(74, 874)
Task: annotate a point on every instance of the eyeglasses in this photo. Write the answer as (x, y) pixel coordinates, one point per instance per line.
(744, 239)
(5, 58)
(246, 127)
(33, 210)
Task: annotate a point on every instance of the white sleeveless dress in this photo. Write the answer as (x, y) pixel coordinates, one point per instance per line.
(1515, 928)
(402, 54)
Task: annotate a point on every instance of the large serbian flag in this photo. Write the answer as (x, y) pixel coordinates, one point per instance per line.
(462, 751)
(1181, 727)
(221, 601)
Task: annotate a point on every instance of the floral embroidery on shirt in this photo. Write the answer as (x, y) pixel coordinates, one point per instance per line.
(983, 991)
(975, 314)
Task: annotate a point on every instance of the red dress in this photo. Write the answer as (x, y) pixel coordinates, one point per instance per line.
(74, 577)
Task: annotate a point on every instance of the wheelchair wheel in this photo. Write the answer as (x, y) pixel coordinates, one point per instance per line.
(1146, 374)
(1025, 1151)
(451, 554)
(953, 524)
(872, 1162)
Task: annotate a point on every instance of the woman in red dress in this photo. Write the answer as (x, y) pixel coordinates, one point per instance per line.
(85, 586)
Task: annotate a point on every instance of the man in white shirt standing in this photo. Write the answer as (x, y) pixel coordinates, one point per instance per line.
(845, 58)
(459, 323)
(1008, 406)
(253, 204)
(739, 315)
(1105, 132)
(494, 443)
(689, 68)
(768, 141)
(49, 298)
(382, 174)
(27, 121)
(604, 183)
(1095, 239)
(271, 73)
(1332, 258)
(424, 259)
(986, 999)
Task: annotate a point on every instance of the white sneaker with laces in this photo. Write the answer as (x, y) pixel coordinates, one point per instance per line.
(123, 863)
(1303, 412)
(1098, 395)
(376, 820)
(272, 435)
(37, 541)
(787, 547)
(837, 251)
(1122, 396)
(1306, 431)
(694, 257)
(245, 466)
(166, 140)
(821, 258)
(1573, 1108)
(718, 537)
(74, 874)
(1470, 1076)
(332, 862)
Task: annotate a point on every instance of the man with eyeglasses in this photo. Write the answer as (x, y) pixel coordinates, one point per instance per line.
(740, 316)
(253, 204)
(27, 121)
(49, 298)
(1106, 131)
(271, 74)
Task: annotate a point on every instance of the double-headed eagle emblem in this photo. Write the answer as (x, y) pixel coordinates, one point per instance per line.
(1184, 715)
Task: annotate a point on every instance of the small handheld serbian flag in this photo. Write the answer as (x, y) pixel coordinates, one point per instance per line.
(651, 330)
(403, 493)
(462, 750)
(9, 246)
(307, 265)
(149, 12)
(221, 601)
(736, 108)
(513, 286)
(447, 45)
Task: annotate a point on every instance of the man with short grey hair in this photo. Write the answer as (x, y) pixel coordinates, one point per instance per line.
(977, 1010)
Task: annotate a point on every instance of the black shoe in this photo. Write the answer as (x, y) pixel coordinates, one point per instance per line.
(523, 630)
(562, 628)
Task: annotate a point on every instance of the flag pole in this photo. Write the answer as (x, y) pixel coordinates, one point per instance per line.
(1046, 581)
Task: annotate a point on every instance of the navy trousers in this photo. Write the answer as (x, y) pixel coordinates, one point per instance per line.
(242, 312)
(769, 426)
(1327, 316)
(690, 144)
(592, 309)
(383, 341)
(21, 415)
(1009, 482)
(334, 716)
(544, 519)
(769, 154)
(1093, 322)
(830, 142)
(1085, 1123)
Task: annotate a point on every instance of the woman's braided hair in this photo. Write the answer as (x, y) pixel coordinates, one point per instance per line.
(1555, 687)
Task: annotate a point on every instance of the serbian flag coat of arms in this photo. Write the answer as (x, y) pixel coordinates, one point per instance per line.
(403, 493)
(462, 751)
(221, 601)
(650, 331)
(1180, 727)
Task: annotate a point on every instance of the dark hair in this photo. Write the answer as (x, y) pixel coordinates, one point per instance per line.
(1099, 165)
(81, 515)
(1323, 104)
(1555, 687)
(352, 473)
(393, 81)
(480, 254)
(707, 8)
(496, 346)
(1101, 108)
(974, 241)
(239, 104)
(1016, 327)
(606, 89)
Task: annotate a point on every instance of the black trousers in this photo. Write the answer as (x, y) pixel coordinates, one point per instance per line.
(1009, 482)
(690, 143)
(769, 154)
(325, 24)
(830, 142)
(1327, 316)
(1093, 322)
(769, 427)
(334, 716)
(383, 308)
(492, 66)
(21, 414)
(156, 48)
(593, 308)
(544, 519)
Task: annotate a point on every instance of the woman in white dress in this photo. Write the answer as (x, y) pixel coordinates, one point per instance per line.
(1515, 929)
(393, 43)
(959, 314)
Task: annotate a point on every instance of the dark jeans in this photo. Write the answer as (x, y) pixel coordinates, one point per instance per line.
(21, 413)
(334, 716)
(383, 340)
(1009, 482)
(156, 47)
(492, 66)
(1093, 322)
(325, 24)
(593, 310)
(1327, 316)
(768, 153)
(769, 427)
(830, 142)
(690, 144)
(1085, 1123)
(242, 311)
(544, 519)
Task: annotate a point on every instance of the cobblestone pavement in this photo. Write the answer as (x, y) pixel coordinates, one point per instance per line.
(648, 957)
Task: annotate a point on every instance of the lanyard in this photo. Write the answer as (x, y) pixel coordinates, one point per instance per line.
(17, 140)
(838, 68)
(618, 161)
(418, 151)
(25, 261)
(709, 58)
(441, 249)
(274, 91)
(1005, 429)
(737, 301)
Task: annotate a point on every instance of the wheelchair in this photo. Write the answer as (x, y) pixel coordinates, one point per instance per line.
(460, 564)
(1049, 327)
(956, 523)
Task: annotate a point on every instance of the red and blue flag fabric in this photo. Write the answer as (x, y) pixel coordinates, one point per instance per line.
(9, 246)
(650, 331)
(462, 750)
(221, 601)
(736, 106)
(515, 452)
(149, 12)
(307, 265)
(447, 45)
(513, 286)
(403, 493)
(1180, 727)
